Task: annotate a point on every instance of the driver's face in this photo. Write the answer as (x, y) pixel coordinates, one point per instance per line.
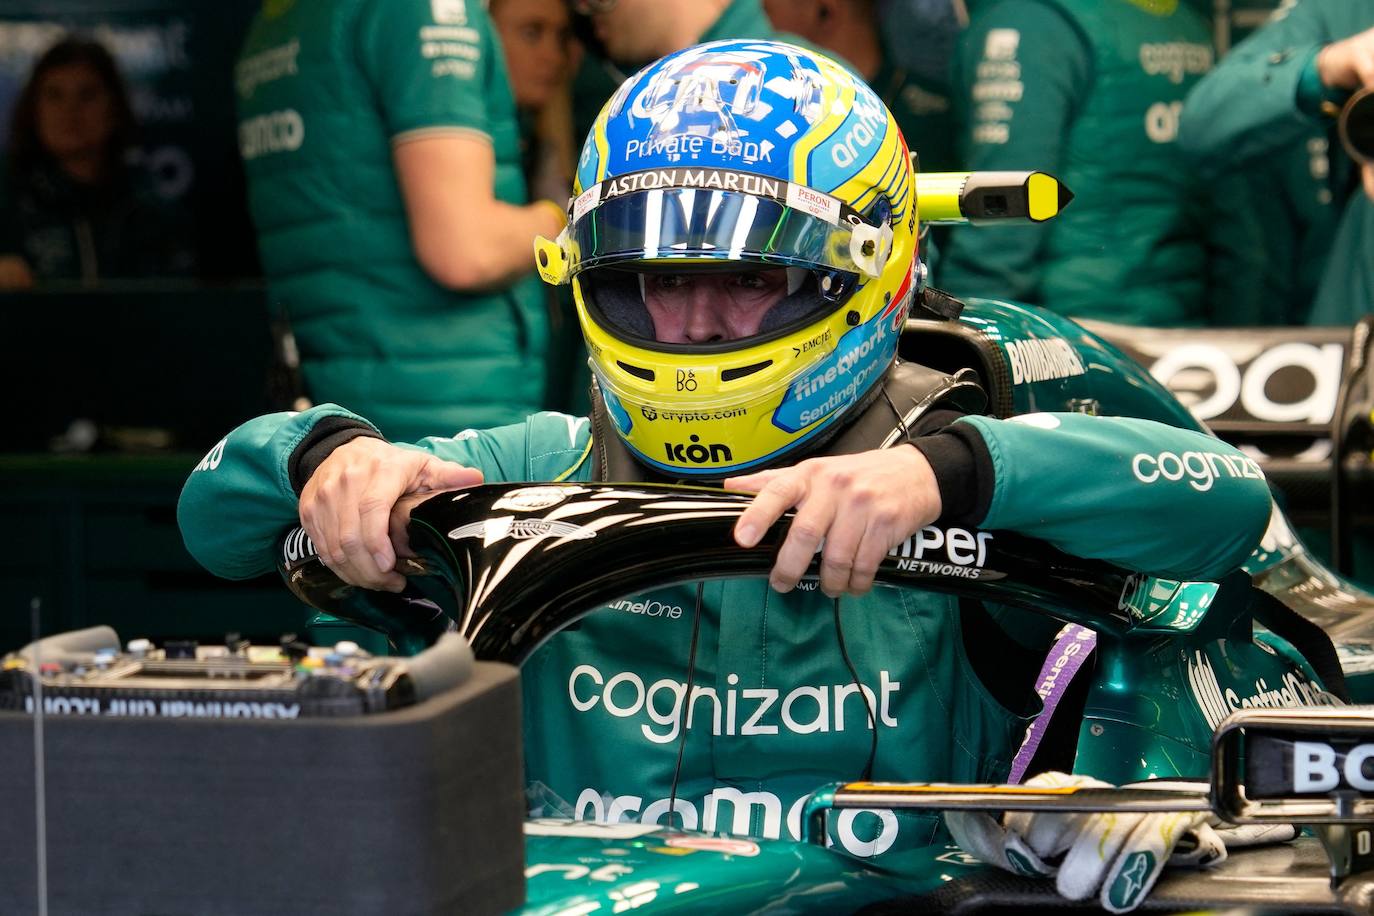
(711, 307)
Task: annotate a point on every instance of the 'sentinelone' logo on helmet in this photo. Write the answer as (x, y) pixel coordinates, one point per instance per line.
(696, 453)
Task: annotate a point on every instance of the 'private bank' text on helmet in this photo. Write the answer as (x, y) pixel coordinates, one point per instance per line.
(736, 156)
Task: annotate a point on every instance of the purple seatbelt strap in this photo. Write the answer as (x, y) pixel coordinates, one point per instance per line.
(1071, 648)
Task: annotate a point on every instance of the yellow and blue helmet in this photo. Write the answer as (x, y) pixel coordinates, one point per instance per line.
(739, 155)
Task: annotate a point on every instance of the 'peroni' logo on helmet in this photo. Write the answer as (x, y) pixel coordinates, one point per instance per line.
(696, 453)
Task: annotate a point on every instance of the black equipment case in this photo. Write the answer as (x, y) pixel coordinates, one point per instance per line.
(412, 810)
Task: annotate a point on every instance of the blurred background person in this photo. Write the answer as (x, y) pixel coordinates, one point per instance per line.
(920, 35)
(851, 30)
(382, 151)
(72, 206)
(623, 35)
(1266, 104)
(1088, 90)
(541, 56)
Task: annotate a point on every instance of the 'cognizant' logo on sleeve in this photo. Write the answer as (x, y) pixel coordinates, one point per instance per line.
(1201, 469)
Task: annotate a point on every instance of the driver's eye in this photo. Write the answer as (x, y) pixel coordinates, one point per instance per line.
(750, 281)
(669, 281)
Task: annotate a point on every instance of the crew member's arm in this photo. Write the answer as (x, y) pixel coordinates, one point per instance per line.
(1266, 94)
(1149, 497)
(331, 471)
(14, 270)
(1020, 69)
(435, 84)
(14, 273)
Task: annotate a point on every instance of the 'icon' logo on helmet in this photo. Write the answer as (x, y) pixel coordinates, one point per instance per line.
(697, 453)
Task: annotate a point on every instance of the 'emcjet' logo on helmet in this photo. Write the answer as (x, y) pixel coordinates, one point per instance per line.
(839, 380)
(696, 453)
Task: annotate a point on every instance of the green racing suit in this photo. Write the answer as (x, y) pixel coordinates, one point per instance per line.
(774, 711)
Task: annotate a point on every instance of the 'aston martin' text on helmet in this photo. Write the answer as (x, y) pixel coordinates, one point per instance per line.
(739, 155)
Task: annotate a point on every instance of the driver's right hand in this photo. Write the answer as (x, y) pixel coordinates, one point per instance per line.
(355, 511)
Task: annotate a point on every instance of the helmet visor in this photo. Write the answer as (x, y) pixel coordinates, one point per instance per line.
(698, 225)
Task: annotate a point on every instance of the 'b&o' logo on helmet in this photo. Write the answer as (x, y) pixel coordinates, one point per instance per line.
(694, 452)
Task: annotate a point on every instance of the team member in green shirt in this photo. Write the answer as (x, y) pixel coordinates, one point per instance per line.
(1266, 99)
(380, 143)
(742, 330)
(1089, 90)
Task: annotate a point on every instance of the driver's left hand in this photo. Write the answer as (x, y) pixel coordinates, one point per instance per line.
(1116, 856)
(853, 509)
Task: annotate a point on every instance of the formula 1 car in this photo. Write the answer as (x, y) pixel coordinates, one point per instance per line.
(1178, 665)
(478, 550)
(1185, 678)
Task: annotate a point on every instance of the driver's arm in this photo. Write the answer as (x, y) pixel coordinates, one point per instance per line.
(241, 498)
(1149, 497)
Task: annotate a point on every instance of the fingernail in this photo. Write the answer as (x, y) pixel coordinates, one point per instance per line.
(383, 561)
(780, 586)
(746, 535)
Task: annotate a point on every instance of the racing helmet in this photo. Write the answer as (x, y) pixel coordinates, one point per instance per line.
(733, 156)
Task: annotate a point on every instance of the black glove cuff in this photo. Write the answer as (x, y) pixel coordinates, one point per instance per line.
(328, 434)
(963, 472)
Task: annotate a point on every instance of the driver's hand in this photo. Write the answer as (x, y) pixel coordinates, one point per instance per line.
(355, 511)
(1349, 63)
(853, 509)
(1117, 856)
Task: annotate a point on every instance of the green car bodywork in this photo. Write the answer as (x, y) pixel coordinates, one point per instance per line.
(1192, 650)
(1191, 655)
(577, 867)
